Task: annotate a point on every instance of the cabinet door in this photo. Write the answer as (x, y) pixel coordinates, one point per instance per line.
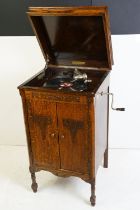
(43, 133)
(72, 124)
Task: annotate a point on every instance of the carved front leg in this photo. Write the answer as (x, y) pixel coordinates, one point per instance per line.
(34, 185)
(93, 197)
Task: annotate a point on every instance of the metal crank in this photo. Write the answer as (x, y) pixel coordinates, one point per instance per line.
(112, 102)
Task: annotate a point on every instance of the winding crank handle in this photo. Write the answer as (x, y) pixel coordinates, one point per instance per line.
(112, 106)
(120, 109)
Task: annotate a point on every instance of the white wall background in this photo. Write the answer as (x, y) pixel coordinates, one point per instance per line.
(21, 57)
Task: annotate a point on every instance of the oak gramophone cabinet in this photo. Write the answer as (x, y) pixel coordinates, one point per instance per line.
(66, 105)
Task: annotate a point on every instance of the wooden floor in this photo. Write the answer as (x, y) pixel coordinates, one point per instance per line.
(117, 187)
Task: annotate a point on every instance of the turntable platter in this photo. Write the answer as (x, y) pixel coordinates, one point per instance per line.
(66, 80)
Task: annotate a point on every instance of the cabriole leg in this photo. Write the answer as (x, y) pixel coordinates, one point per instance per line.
(93, 197)
(34, 185)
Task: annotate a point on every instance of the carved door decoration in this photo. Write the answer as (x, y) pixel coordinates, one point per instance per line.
(73, 126)
(73, 137)
(44, 135)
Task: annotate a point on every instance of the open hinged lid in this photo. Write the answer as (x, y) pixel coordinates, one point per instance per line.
(73, 36)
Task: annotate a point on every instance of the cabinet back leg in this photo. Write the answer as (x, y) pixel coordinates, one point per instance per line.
(34, 185)
(93, 197)
(106, 151)
(106, 158)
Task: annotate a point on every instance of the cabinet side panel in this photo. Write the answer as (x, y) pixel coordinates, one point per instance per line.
(101, 125)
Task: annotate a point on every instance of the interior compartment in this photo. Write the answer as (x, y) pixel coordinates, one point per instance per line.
(38, 80)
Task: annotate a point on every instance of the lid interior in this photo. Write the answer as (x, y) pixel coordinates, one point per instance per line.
(73, 40)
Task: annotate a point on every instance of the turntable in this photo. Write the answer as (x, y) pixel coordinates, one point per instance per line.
(66, 105)
(70, 80)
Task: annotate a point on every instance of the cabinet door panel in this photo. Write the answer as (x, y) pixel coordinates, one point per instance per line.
(72, 124)
(43, 133)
